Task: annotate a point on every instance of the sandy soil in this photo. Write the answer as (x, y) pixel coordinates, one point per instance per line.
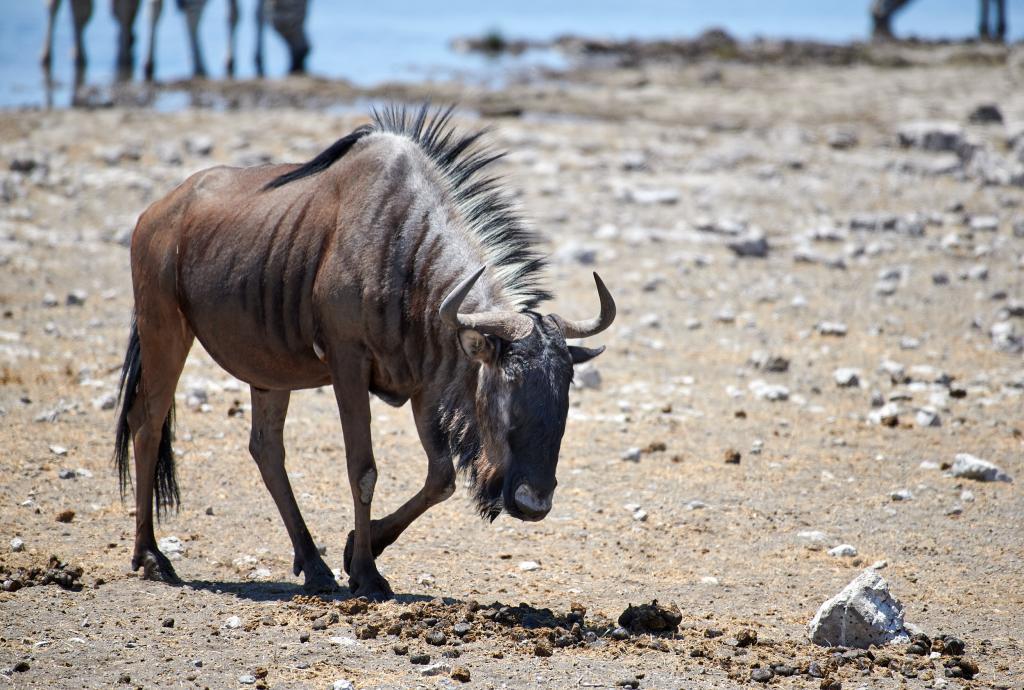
(641, 173)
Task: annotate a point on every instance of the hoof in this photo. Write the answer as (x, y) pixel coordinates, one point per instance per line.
(374, 589)
(155, 566)
(319, 578)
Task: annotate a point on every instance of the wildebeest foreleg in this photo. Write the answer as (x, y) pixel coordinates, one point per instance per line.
(351, 378)
(266, 443)
(439, 486)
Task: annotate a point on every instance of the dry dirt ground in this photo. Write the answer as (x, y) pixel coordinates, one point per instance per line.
(641, 174)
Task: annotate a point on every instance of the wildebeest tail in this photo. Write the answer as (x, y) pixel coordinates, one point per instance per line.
(166, 483)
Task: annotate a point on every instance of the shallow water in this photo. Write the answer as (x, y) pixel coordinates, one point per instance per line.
(369, 43)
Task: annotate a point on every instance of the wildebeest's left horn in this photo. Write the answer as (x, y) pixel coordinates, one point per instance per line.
(507, 325)
(589, 327)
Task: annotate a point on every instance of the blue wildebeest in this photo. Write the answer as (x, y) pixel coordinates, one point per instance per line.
(361, 269)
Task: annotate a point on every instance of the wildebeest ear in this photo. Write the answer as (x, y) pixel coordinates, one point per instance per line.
(476, 345)
(584, 354)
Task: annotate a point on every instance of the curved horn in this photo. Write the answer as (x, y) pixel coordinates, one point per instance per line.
(589, 327)
(507, 325)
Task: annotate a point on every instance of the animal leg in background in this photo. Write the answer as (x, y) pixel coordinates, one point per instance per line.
(266, 443)
(156, 7)
(229, 60)
(124, 13)
(438, 487)
(193, 13)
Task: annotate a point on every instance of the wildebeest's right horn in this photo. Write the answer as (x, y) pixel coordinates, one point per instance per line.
(589, 327)
(507, 325)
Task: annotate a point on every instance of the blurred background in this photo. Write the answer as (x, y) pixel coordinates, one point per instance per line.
(402, 40)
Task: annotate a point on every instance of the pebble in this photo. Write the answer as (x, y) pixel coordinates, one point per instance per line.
(932, 136)
(167, 622)
(59, 451)
(461, 674)
(814, 540)
(529, 566)
(772, 392)
(419, 659)
(754, 244)
(542, 650)
(886, 415)
(766, 361)
(171, 547)
(247, 679)
(17, 545)
(436, 638)
(901, 495)
(76, 298)
(833, 328)
(846, 377)
(233, 623)
(986, 114)
(438, 669)
(66, 516)
(631, 455)
(343, 684)
(843, 551)
(968, 466)
(732, 456)
(927, 417)
(762, 674)
(862, 614)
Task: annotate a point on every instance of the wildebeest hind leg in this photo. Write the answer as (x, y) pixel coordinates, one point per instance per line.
(266, 443)
(165, 340)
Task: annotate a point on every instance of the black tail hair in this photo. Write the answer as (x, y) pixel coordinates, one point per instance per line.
(166, 492)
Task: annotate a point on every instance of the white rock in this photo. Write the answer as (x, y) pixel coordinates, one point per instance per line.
(441, 668)
(171, 547)
(865, 613)
(969, 466)
(695, 505)
(232, 623)
(773, 392)
(529, 566)
(17, 544)
(814, 540)
(887, 414)
(342, 684)
(107, 401)
(927, 416)
(901, 495)
(846, 377)
(831, 328)
(843, 551)
(631, 455)
(932, 136)
(58, 450)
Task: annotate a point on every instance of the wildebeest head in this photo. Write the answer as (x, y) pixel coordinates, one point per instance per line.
(522, 397)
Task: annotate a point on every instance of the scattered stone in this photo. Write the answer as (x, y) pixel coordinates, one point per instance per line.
(419, 659)
(864, 613)
(167, 622)
(771, 392)
(846, 377)
(66, 516)
(439, 669)
(343, 684)
(650, 618)
(436, 638)
(400, 649)
(620, 633)
(753, 244)
(833, 328)
(843, 551)
(886, 415)
(529, 566)
(732, 456)
(927, 417)
(766, 361)
(986, 114)
(541, 649)
(932, 136)
(762, 674)
(901, 495)
(233, 623)
(461, 674)
(841, 139)
(17, 544)
(171, 547)
(813, 540)
(631, 455)
(199, 145)
(968, 466)
(76, 298)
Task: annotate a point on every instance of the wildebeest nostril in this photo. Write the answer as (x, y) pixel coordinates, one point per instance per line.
(530, 502)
